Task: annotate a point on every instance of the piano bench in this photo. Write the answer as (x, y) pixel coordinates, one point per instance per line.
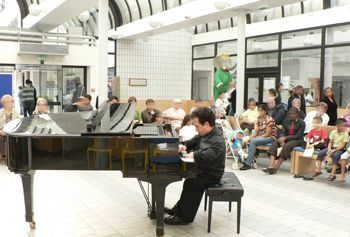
(228, 190)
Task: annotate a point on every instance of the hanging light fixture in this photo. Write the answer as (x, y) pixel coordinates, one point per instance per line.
(116, 34)
(35, 9)
(84, 16)
(221, 5)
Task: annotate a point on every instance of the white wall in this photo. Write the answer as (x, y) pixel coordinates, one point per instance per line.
(165, 61)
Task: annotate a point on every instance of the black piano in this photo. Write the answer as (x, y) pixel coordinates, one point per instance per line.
(106, 139)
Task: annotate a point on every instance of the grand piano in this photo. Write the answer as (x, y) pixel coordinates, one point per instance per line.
(107, 139)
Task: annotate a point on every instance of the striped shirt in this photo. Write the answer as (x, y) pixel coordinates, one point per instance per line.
(28, 94)
(267, 122)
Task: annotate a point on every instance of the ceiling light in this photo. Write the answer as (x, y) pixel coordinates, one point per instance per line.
(221, 5)
(35, 9)
(84, 16)
(116, 34)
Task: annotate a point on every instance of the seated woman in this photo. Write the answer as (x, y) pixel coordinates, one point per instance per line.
(296, 103)
(291, 136)
(7, 113)
(42, 107)
(265, 133)
(187, 130)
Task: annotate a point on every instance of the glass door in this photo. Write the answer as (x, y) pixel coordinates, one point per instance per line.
(257, 86)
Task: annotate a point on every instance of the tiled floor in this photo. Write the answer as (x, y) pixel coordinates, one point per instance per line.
(104, 204)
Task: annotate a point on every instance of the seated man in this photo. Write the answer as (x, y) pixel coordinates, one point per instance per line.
(291, 136)
(114, 100)
(250, 116)
(321, 112)
(83, 103)
(175, 115)
(42, 107)
(148, 115)
(209, 156)
(277, 112)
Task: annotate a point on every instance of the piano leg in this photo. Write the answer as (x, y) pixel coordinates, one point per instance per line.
(27, 182)
(152, 215)
(160, 199)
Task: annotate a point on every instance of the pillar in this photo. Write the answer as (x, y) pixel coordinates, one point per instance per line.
(240, 62)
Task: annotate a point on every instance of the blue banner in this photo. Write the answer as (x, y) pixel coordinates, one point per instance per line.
(5, 84)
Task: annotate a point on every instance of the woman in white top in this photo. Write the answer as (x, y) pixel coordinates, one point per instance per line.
(188, 130)
(7, 113)
(309, 100)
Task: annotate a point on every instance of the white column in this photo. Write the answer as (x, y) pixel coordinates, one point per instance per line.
(240, 62)
(102, 51)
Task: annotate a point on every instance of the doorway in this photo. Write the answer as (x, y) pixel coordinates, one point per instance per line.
(258, 83)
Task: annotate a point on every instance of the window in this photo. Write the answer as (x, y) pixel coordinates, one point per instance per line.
(302, 67)
(292, 9)
(338, 34)
(229, 47)
(204, 51)
(338, 3)
(312, 5)
(262, 60)
(337, 74)
(301, 39)
(264, 43)
(203, 79)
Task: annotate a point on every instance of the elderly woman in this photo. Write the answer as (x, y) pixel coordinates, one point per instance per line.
(265, 133)
(42, 107)
(296, 103)
(347, 118)
(7, 113)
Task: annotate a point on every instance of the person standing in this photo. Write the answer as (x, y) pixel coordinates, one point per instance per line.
(79, 90)
(232, 98)
(309, 99)
(298, 93)
(7, 113)
(208, 151)
(28, 98)
(328, 98)
(279, 90)
(20, 99)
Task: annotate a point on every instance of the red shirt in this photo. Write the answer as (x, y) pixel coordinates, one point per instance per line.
(317, 136)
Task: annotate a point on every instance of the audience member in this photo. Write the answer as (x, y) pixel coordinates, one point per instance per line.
(250, 116)
(157, 118)
(265, 132)
(279, 90)
(277, 112)
(29, 98)
(20, 99)
(296, 103)
(345, 157)
(320, 111)
(232, 97)
(272, 93)
(328, 98)
(309, 99)
(298, 93)
(148, 115)
(336, 147)
(291, 136)
(79, 90)
(7, 113)
(175, 114)
(114, 100)
(347, 118)
(133, 100)
(221, 105)
(187, 130)
(84, 103)
(211, 105)
(317, 136)
(42, 106)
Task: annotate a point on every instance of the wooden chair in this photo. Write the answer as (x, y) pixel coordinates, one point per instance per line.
(131, 148)
(96, 149)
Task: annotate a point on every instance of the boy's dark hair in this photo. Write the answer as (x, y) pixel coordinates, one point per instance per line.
(279, 84)
(273, 92)
(319, 118)
(340, 121)
(148, 101)
(251, 100)
(88, 97)
(185, 120)
(204, 114)
(113, 97)
(131, 99)
(221, 92)
(263, 107)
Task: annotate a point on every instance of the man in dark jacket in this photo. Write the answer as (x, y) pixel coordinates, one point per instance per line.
(292, 135)
(277, 112)
(79, 90)
(208, 151)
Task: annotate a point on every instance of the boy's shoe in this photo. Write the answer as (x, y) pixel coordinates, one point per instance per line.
(254, 165)
(245, 167)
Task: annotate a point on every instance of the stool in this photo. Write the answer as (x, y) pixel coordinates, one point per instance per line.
(228, 190)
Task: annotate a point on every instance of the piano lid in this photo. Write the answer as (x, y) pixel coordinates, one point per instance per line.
(109, 121)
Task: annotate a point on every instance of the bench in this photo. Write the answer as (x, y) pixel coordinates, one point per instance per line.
(228, 190)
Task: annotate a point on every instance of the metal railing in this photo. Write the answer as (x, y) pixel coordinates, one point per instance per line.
(46, 38)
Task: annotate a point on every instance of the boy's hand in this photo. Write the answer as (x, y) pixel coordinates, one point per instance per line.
(282, 140)
(309, 146)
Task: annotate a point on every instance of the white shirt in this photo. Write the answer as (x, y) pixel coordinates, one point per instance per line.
(221, 105)
(187, 132)
(309, 117)
(178, 114)
(308, 100)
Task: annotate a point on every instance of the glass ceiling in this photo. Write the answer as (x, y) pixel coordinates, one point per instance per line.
(125, 11)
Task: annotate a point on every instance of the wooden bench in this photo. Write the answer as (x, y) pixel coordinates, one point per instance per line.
(228, 190)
